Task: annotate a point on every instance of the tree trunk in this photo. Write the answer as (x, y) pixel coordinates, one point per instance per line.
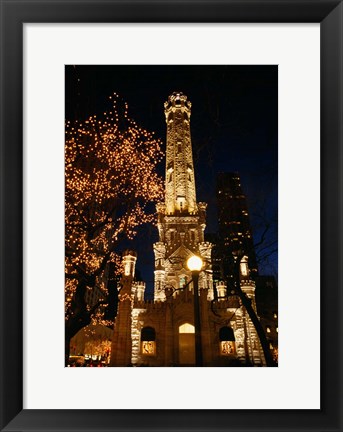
(259, 329)
(66, 349)
(252, 314)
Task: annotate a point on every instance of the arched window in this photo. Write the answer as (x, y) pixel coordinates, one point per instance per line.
(148, 341)
(186, 328)
(227, 341)
(148, 334)
(226, 334)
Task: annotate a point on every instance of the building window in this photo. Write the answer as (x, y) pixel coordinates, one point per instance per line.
(275, 315)
(148, 343)
(183, 281)
(227, 341)
(148, 348)
(186, 328)
(268, 329)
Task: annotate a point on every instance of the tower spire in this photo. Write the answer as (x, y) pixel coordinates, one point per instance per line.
(181, 220)
(180, 182)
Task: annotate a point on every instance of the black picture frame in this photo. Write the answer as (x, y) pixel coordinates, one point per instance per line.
(329, 13)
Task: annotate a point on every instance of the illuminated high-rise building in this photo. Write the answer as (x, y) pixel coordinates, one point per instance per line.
(234, 229)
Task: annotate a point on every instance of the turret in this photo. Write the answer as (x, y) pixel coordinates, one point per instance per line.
(247, 284)
(129, 264)
(221, 290)
(140, 290)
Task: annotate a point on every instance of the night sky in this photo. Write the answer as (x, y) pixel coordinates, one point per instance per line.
(234, 127)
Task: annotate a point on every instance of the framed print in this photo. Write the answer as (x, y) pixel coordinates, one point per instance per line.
(58, 61)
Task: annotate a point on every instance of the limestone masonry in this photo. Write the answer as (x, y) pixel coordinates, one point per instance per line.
(161, 332)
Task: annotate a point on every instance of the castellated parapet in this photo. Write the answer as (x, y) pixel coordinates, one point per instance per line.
(177, 101)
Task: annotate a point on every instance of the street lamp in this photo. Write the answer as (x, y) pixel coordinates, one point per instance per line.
(194, 263)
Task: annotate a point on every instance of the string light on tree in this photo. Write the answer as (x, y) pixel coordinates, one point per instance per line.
(110, 179)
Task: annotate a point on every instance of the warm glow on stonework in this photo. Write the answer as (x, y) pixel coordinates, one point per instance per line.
(110, 178)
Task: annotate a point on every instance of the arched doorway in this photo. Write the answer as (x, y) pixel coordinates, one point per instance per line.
(186, 344)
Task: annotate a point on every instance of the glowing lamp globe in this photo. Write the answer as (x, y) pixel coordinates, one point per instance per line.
(194, 263)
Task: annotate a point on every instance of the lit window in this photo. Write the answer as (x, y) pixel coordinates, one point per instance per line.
(268, 329)
(227, 348)
(275, 315)
(183, 281)
(148, 337)
(148, 347)
(277, 329)
(186, 328)
(271, 345)
(244, 268)
(227, 341)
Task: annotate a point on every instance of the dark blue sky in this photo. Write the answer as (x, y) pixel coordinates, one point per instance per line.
(234, 126)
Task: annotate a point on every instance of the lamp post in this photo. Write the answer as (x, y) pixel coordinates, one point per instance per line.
(194, 264)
